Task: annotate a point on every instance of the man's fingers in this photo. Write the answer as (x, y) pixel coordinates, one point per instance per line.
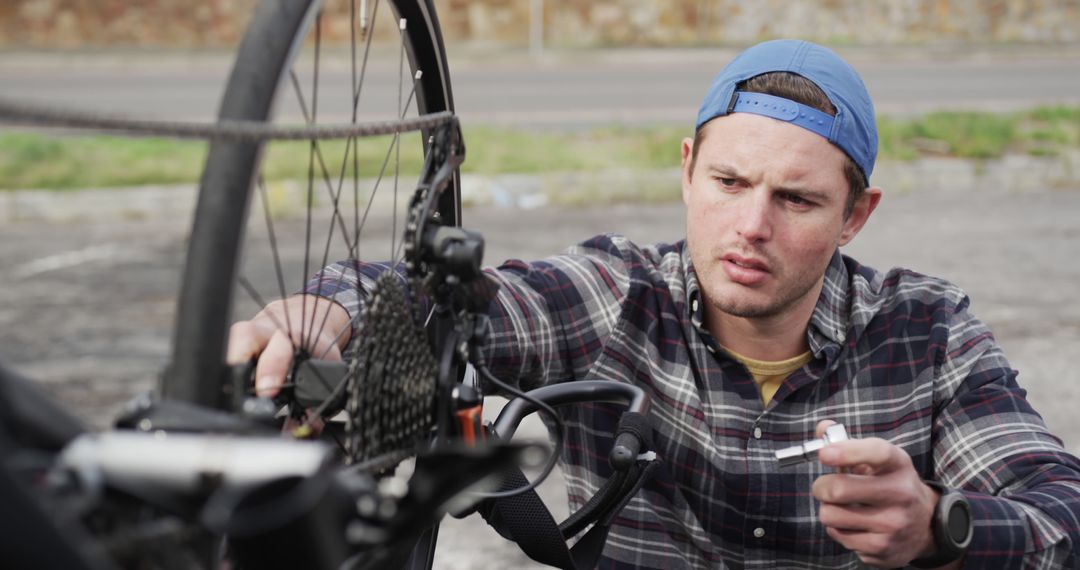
(848, 489)
(876, 506)
(263, 337)
(327, 348)
(819, 431)
(876, 453)
(845, 520)
(273, 366)
(246, 341)
(845, 510)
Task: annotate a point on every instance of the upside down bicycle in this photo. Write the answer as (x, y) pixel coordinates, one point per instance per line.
(197, 477)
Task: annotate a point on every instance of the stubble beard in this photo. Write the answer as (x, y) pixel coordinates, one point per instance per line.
(786, 297)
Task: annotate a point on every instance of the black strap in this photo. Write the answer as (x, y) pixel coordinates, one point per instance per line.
(524, 519)
(32, 419)
(597, 505)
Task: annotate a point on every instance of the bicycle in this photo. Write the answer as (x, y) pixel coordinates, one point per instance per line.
(175, 511)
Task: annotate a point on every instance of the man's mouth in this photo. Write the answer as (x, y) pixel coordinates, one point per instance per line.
(747, 263)
(745, 271)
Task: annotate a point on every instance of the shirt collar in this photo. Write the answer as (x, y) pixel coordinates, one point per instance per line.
(830, 320)
(694, 305)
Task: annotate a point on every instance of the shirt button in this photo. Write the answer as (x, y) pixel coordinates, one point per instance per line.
(757, 433)
(759, 532)
(693, 306)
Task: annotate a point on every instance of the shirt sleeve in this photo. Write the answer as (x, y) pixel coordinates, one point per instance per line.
(346, 282)
(552, 317)
(1024, 488)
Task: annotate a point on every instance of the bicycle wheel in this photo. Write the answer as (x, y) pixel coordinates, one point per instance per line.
(289, 44)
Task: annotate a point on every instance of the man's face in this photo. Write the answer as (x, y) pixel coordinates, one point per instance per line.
(765, 212)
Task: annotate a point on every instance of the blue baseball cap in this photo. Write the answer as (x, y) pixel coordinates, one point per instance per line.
(853, 129)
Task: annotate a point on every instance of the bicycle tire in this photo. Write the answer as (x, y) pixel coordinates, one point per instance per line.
(197, 372)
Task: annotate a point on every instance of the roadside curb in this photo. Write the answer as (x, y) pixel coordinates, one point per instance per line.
(1012, 173)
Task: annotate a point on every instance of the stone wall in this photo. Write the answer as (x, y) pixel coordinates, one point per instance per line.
(566, 23)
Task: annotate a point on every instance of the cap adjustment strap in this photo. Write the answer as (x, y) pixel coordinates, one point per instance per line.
(786, 110)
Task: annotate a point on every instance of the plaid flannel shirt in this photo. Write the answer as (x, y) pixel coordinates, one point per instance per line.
(896, 356)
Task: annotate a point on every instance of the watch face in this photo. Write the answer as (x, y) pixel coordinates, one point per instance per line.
(959, 523)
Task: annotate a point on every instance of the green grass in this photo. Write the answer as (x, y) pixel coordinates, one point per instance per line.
(32, 160)
(47, 161)
(1041, 131)
(967, 135)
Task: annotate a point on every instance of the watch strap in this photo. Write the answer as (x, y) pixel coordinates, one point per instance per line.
(948, 547)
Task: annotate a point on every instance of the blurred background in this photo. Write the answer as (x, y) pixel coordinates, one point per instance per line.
(573, 112)
(592, 86)
(561, 24)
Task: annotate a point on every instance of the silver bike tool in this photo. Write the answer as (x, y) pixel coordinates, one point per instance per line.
(808, 451)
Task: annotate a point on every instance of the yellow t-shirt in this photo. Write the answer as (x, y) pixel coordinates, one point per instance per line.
(769, 375)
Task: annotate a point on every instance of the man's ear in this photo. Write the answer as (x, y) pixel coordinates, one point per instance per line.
(860, 213)
(687, 165)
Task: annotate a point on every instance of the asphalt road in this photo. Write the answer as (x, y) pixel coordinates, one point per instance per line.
(561, 89)
(89, 305)
(85, 308)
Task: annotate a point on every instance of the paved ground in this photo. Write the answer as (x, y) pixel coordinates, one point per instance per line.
(86, 307)
(564, 89)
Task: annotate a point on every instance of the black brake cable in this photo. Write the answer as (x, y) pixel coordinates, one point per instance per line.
(560, 433)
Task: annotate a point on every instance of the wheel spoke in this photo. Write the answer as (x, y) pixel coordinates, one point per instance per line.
(255, 296)
(382, 172)
(273, 248)
(356, 104)
(395, 145)
(304, 340)
(397, 136)
(334, 194)
(357, 87)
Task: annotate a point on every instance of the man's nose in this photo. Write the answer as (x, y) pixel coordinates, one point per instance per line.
(755, 218)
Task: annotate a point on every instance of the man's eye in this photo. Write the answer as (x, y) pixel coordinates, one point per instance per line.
(729, 182)
(796, 200)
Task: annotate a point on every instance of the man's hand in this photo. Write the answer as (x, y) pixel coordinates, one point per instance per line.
(264, 337)
(879, 508)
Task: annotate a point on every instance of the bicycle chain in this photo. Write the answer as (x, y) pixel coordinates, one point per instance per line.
(392, 389)
(14, 112)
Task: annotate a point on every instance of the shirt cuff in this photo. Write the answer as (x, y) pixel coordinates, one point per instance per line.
(1001, 533)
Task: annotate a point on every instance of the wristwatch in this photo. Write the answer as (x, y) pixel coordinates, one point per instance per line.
(951, 525)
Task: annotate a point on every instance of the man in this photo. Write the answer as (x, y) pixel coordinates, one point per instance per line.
(755, 334)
